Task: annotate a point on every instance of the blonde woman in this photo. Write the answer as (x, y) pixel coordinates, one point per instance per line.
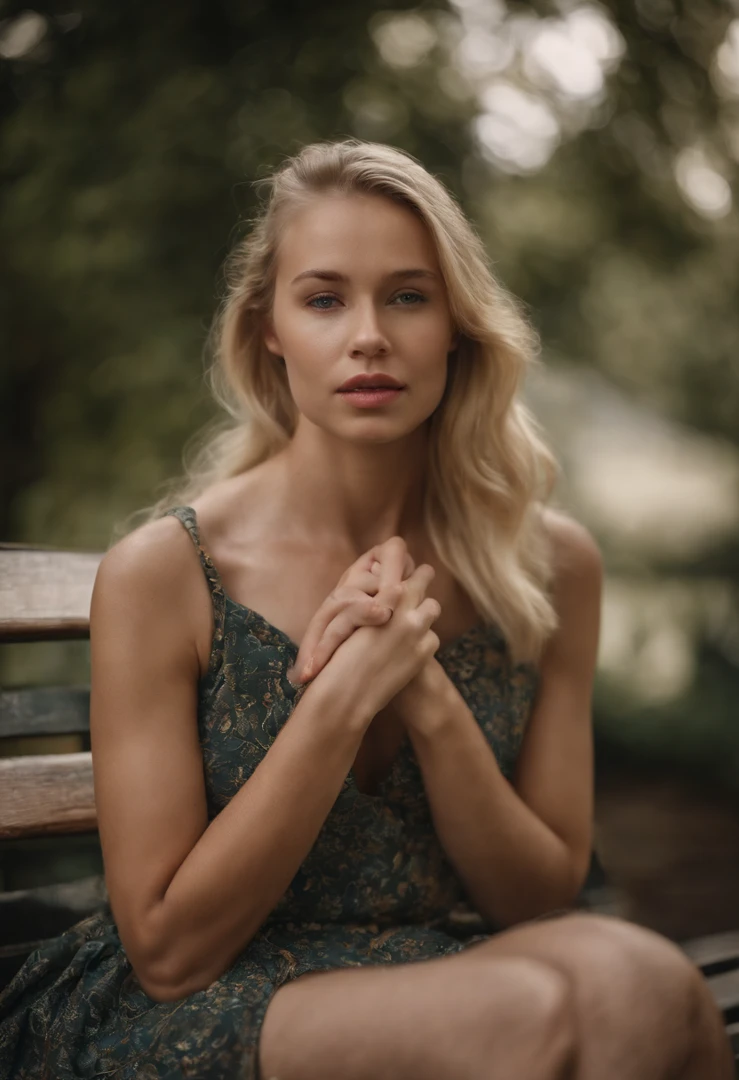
(341, 684)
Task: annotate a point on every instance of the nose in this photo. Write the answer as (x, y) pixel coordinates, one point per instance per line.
(367, 336)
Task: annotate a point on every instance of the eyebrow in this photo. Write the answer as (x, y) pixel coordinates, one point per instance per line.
(395, 275)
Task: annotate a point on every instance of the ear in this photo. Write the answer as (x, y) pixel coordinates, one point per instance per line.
(454, 341)
(270, 338)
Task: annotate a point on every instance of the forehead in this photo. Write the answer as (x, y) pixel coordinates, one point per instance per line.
(340, 231)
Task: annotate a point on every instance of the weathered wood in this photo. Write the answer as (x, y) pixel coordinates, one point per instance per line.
(48, 910)
(732, 1030)
(44, 711)
(45, 594)
(714, 954)
(49, 793)
(725, 989)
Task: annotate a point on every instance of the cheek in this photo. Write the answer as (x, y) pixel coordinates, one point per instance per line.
(428, 335)
(307, 339)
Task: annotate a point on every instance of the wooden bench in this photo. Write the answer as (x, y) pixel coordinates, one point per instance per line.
(45, 596)
(47, 797)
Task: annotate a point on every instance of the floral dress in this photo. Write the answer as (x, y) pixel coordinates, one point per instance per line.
(375, 888)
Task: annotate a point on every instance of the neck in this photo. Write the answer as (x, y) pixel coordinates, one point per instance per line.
(354, 494)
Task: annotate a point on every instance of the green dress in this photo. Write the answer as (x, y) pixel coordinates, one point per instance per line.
(375, 888)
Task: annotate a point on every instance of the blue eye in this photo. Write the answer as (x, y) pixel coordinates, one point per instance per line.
(413, 296)
(316, 301)
(324, 296)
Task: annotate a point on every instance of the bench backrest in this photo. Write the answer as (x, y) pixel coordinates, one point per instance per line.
(44, 596)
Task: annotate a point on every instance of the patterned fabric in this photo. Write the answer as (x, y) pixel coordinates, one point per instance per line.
(376, 887)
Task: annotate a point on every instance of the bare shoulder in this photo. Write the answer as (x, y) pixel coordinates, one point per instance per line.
(576, 592)
(575, 552)
(154, 556)
(151, 584)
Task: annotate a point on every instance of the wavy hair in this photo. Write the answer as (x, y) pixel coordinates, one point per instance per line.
(489, 468)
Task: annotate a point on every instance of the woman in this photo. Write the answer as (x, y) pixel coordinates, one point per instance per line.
(285, 827)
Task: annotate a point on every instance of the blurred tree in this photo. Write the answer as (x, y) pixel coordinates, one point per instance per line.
(596, 145)
(128, 138)
(611, 133)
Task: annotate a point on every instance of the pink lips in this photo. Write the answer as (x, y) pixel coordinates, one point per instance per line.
(371, 397)
(364, 380)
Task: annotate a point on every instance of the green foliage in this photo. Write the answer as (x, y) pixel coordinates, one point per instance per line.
(130, 137)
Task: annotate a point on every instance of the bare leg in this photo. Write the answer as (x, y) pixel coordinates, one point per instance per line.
(452, 1018)
(644, 1012)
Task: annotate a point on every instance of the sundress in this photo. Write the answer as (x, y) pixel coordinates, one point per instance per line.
(375, 888)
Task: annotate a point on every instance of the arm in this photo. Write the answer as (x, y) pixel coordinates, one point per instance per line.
(188, 896)
(521, 849)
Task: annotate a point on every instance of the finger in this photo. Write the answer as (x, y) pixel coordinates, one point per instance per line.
(366, 612)
(393, 563)
(364, 583)
(408, 567)
(366, 574)
(361, 565)
(429, 610)
(329, 628)
(414, 591)
(379, 552)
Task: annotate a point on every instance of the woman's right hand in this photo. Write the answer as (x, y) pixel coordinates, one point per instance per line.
(380, 660)
(363, 596)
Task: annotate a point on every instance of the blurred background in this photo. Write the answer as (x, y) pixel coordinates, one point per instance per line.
(595, 146)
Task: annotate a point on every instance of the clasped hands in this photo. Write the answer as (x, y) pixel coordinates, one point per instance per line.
(365, 596)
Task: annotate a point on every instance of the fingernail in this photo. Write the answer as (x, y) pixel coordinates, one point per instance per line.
(308, 669)
(292, 676)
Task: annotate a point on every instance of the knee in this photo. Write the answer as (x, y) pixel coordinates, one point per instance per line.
(539, 1012)
(640, 960)
(606, 936)
(680, 995)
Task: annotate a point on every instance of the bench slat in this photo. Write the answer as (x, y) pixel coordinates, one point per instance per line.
(48, 910)
(48, 793)
(732, 1030)
(725, 989)
(45, 594)
(714, 953)
(44, 711)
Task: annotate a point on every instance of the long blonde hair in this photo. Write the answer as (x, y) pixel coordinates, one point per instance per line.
(489, 469)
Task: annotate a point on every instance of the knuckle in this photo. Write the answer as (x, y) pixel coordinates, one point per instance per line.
(393, 591)
(343, 594)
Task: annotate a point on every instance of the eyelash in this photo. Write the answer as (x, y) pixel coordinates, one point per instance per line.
(330, 296)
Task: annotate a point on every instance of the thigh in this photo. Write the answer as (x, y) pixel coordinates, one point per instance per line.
(450, 1018)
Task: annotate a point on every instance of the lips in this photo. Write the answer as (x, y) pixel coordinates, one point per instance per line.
(364, 381)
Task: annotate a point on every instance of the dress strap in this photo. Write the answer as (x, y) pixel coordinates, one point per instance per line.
(187, 516)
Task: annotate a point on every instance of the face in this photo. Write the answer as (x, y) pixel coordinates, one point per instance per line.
(359, 290)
